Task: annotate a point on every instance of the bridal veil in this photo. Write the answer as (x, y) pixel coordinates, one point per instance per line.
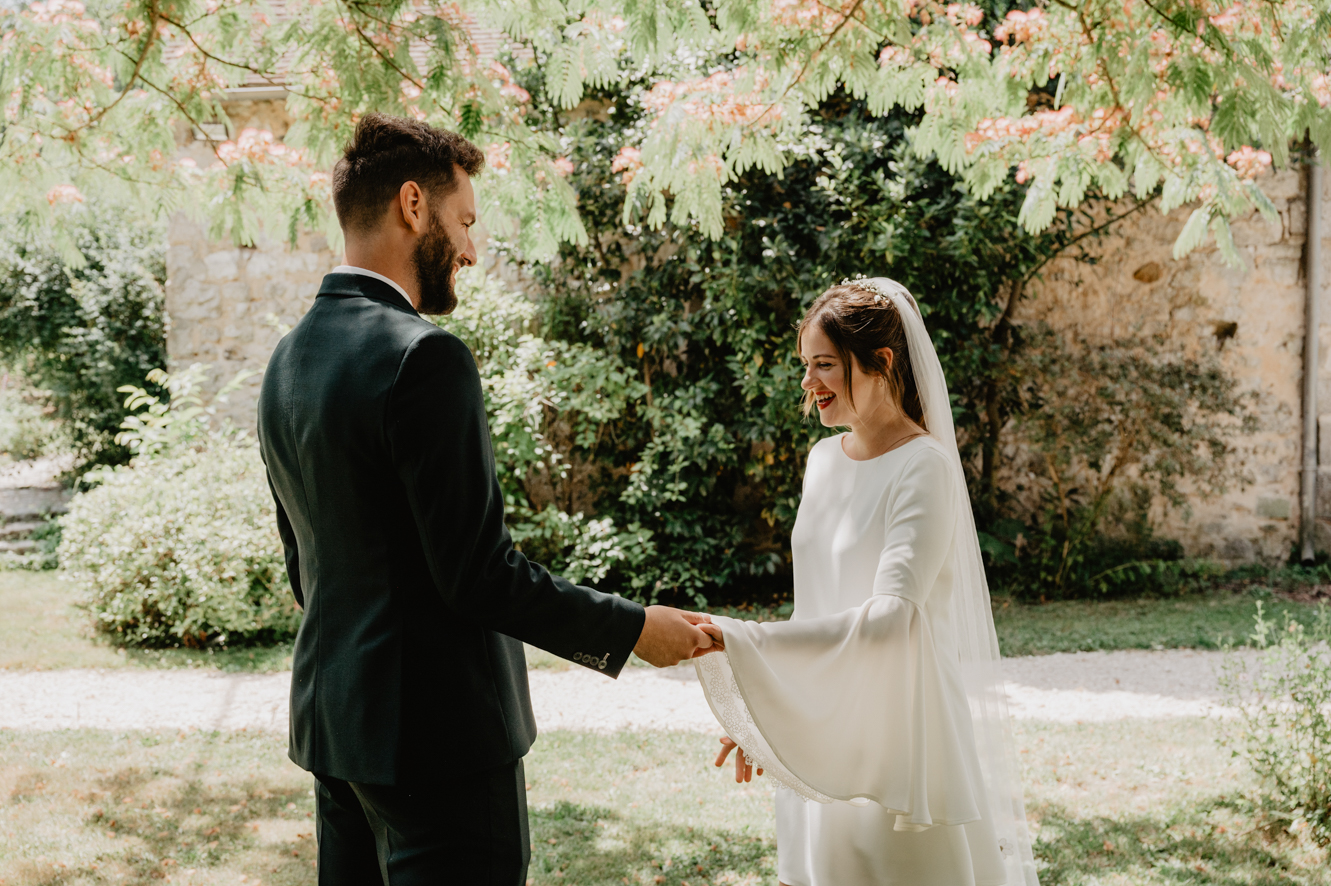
(849, 752)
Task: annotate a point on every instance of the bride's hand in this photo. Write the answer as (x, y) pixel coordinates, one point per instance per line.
(743, 771)
(718, 639)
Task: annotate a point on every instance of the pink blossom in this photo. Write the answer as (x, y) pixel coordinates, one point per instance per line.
(410, 90)
(1249, 162)
(1321, 87)
(896, 57)
(63, 194)
(712, 100)
(969, 13)
(57, 12)
(516, 92)
(1023, 172)
(627, 161)
(801, 14)
(259, 146)
(563, 166)
(1226, 20)
(974, 42)
(497, 156)
(1022, 26)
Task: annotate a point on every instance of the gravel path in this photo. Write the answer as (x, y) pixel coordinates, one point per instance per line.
(1067, 687)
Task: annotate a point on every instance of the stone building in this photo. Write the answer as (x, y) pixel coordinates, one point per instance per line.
(228, 306)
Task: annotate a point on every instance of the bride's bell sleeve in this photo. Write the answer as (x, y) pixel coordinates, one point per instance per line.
(864, 705)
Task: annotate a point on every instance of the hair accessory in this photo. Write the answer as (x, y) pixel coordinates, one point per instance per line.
(861, 282)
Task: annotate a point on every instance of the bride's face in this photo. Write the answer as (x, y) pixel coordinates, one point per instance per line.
(825, 376)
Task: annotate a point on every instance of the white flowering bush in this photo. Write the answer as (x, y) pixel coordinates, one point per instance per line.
(580, 548)
(180, 547)
(1284, 722)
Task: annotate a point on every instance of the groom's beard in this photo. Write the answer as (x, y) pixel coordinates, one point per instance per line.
(434, 258)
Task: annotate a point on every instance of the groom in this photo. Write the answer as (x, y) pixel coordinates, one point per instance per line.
(409, 697)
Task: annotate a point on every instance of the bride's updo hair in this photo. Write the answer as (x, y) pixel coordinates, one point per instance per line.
(858, 322)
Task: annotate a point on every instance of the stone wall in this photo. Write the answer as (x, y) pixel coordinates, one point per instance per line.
(229, 304)
(1253, 316)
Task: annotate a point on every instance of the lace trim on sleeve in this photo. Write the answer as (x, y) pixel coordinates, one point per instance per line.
(723, 694)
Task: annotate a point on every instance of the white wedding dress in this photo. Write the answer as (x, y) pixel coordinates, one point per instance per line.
(878, 707)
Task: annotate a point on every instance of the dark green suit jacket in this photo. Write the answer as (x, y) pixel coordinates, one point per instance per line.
(409, 660)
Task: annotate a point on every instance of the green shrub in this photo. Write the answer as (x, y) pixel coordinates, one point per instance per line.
(579, 548)
(79, 325)
(1107, 430)
(180, 548)
(43, 556)
(1284, 722)
(27, 428)
(552, 406)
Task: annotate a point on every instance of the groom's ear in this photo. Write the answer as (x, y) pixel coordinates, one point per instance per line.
(411, 208)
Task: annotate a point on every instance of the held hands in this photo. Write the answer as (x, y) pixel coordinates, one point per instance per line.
(743, 771)
(670, 636)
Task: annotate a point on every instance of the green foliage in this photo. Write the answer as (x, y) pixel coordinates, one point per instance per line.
(44, 556)
(551, 405)
(27, 429)
(1167, 97)
(77, 327)
(1284, 722)
(708, 454)
(1108, 429)
(583, 549)
(179, 420)
(180, 547)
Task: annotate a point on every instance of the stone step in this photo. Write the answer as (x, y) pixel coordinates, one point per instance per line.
(29, 502)
(22, 546)
(19, 529)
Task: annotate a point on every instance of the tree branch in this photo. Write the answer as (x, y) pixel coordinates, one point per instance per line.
(809, 61)
(148, 44)
(184, 29)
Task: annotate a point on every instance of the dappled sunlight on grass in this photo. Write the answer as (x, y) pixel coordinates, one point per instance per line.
(1140, 802)
(1208, 844)
(193, 808)
(598, 845)
(1127, 803)
(639, 806)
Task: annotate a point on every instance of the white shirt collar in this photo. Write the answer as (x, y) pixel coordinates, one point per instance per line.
(352, 269)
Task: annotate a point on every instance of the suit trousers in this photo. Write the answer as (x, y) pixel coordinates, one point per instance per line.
(469, 830)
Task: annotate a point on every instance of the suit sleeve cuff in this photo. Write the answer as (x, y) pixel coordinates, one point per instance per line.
(625, 629)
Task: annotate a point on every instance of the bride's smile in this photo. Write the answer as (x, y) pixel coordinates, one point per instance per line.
(875, 418)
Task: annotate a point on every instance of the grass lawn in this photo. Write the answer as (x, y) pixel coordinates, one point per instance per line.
(1199, 621)
(40, 629)
(86, 807)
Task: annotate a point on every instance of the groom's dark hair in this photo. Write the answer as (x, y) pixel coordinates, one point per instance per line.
(387, 152)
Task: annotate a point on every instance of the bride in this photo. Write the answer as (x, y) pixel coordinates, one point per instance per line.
(879, 707)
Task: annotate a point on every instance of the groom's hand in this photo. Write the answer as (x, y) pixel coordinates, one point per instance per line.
(670, 636)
